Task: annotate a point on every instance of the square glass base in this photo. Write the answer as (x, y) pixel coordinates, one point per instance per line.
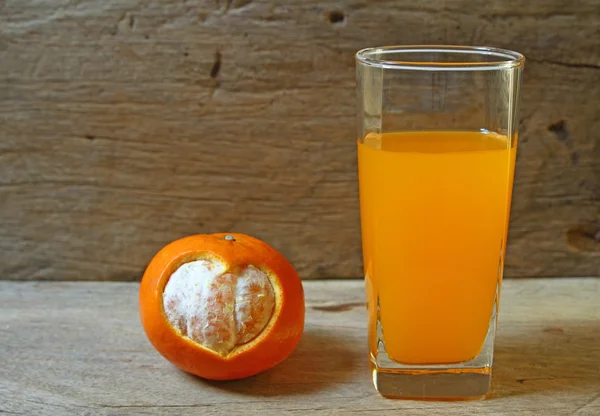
(425, 384)
(460, 381)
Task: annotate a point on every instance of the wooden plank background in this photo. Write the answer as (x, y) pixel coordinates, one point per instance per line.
(125, 124)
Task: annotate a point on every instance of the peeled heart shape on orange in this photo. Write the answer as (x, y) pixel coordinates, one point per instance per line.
(222, 306)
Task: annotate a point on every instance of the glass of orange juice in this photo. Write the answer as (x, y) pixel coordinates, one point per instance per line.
(437, 140)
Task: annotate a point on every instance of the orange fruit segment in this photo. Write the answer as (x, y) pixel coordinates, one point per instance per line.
(222, 306)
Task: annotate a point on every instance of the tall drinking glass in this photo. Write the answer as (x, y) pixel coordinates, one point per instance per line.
(437, 139)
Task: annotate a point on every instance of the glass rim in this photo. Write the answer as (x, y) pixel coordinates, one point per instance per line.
(504, 58)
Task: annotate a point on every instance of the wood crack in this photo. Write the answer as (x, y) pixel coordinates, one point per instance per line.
(564, 64)
(338, 307)
(154, 406)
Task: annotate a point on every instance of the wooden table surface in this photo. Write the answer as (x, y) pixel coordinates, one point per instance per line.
(79, 349)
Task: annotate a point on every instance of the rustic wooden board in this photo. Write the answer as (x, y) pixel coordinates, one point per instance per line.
(79, 349)
(125, 124)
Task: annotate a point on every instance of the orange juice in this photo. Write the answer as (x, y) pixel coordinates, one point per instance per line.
(434, 213)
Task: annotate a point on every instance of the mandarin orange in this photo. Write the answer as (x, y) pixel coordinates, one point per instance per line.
(222, 306)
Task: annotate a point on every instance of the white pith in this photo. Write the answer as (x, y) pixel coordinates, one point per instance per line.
(216, 307)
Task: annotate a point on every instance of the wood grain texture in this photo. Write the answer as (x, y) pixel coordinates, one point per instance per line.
(127, 124)
(79, 349)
